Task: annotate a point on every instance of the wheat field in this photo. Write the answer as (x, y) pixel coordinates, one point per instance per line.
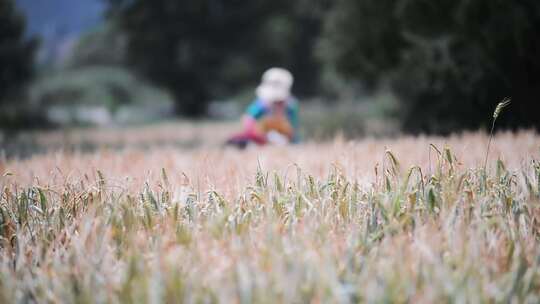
(405, 220)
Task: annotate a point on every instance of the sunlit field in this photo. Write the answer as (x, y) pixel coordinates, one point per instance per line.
(156, 214)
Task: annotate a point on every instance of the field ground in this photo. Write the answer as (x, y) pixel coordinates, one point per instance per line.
(157, 214)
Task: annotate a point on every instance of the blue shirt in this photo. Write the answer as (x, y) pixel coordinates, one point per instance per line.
(259, 109)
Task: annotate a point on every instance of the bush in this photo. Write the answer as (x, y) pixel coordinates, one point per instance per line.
(369, 116)
(95, 95)
(105, 45)
(111, 87)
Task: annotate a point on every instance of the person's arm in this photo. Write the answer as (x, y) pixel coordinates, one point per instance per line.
(250, 123)
(293, 110)
(253, 113)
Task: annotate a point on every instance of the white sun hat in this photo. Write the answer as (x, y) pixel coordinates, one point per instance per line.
(275, 85)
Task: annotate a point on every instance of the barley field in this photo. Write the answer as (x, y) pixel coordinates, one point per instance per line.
(142, 217)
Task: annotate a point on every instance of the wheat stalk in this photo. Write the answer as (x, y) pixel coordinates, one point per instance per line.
(498, 109)
(503, 104)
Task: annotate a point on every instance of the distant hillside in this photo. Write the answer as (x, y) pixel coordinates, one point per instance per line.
(63, 16)
(59, 22)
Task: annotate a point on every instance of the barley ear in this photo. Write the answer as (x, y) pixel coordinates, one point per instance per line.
(500, 107)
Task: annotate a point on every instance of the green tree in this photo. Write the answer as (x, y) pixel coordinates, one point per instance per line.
(450, 61)
(16, 57)
(203, 49)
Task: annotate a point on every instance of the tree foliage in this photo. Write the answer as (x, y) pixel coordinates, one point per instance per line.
(203, 49)
(450, 61)
(16, 54)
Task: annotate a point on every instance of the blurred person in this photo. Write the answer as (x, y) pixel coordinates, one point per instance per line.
(272, 118)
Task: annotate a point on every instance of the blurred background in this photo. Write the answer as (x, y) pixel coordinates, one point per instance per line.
(362, 67)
